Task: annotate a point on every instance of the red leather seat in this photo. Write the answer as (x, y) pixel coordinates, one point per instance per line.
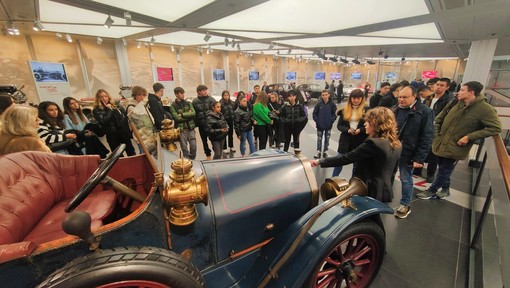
(34, 189)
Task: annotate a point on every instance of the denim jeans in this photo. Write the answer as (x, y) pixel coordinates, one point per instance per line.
(405, 167)
(444, 171)
(323, 134)
(246, 135)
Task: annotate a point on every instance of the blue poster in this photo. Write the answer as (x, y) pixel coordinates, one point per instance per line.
(356, 76)
(319, 76)
(253, 75)
(291, 76)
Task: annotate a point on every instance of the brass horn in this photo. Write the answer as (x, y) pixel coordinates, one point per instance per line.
(337, 186)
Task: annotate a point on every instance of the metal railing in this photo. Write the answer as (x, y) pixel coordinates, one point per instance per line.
(489, 259)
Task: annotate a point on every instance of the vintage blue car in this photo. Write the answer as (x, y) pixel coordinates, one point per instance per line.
(247, 222)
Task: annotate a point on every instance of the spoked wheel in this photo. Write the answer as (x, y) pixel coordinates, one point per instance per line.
(353, 260)
(127, 267)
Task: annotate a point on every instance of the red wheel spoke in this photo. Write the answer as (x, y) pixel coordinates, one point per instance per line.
(362, 253)
(362, 262)
(326, 281)
(326, 272)
(332, 261)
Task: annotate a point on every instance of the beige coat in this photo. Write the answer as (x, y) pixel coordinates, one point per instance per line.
(12, 143)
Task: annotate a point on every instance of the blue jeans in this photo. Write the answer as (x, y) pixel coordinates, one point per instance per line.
(444, 171)
(405, 167)
(320, 135)
(247, 135)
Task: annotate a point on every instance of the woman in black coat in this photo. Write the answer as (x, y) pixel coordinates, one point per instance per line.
(217, 129)
(113, 121)
(377, 156)
(227, 109)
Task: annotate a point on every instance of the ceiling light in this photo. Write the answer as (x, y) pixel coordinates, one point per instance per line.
(226, 41)
(138, 44)
(99, 40)
(333, 59)
(182, 48)
(370, 62)
(386, 56)
(38, 26)
(238, 47)
(380, 53)
(233, 43)
(207, 37)
(356, 61)
(68, 38)
(127, 16)
(58, 35)
(11, 29)
(124, 41)
(172, 48)
(343, 60)
(271, 46)
(403, 59)
(153, 40)
(278, 52)
(208, 49)
(109, 21)
(289, 51)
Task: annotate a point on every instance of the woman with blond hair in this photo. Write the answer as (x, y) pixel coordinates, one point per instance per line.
(377, 156)
(18, 130)
(351, 124)
(113, 121)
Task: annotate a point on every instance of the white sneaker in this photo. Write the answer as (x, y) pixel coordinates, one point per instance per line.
(232, 150)
(225, 151)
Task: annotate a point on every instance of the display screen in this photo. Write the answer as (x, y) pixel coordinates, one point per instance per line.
(319, 76)
(356, 76)
(253, 75)
(48, 72)
(429, 74)
(390, 75)
(291, 76)
(219, 74)
(336, 76)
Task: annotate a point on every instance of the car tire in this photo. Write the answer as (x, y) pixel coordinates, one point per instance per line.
(358, 251)
(38, 77)
(127, 267)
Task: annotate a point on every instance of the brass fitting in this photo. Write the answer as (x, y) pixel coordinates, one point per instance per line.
(183, 192)
(169, 135)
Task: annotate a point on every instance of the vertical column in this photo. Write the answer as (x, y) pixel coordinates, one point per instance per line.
(238, 73)
(122, 59)
(480, 60)
(83, 68)
(202, 78)
(179, 66)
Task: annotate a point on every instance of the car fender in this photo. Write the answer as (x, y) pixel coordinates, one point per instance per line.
(315, 243)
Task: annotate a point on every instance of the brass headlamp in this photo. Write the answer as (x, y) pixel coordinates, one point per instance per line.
(169, 135)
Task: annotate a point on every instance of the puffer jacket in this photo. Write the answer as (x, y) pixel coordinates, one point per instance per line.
(416, 132)
(183, 114)
(227, 109)
(293, 115)
(213, 125)
(324, 115)
(202, 105)
(477, 121)
(242, 120)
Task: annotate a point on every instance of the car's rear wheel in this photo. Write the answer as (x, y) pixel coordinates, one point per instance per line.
(353, 260)
(127, 267)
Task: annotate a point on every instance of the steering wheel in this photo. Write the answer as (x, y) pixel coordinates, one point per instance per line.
(96, 177)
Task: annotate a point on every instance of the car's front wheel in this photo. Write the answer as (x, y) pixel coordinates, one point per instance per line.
(353, 260)
(127, 267)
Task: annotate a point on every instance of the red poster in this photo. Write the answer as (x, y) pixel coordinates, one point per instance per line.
(429, 74)
(165, 74)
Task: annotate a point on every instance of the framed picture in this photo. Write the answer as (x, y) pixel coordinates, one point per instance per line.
(335, 76)
(253, 75)
(48, 72)
(319, 76)
(390, 75)
(219, 74)
(356, 76)
(165, 74)
(291, 76)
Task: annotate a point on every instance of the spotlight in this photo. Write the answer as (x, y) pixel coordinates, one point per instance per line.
(124, 41)
(344, 60)
(108, 23)
(68, 38)
(403, 59)
(226, 41)
(11, 29)
(208, 49)
(127, 16)
(238, 47)
(271, 46)
(386, 56)
(380, 53)
(356, 61)
(207, 37)
(38, 26)
(181, 49)
(370, 62)
(153, 40)
(138, 44)
(333, 59)
(58, 35)
(278, 52)
(233, 43)
(172, 48)
(99, 40)
(289, 51)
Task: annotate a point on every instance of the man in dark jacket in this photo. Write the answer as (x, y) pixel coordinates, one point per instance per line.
(184, 116)
(202, 104)
(415, 131)
(437, 102)
(390, 99)
(155, 105)
(339, 92)
(376, 98)
(324, 115)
